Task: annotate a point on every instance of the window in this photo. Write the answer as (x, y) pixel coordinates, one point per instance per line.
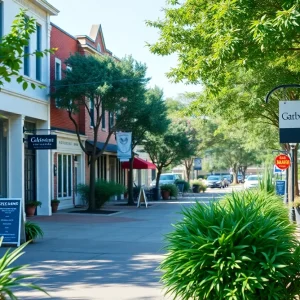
(103, 117)
(1, 18)
(57, 69)
(92, 112)
(111, 119)
(98, 47)
(64, 176)
(38, 48)
(27, 57)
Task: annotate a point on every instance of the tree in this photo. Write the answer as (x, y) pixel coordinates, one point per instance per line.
(171, 147)
(209, 35)
(12, 49)
(98, 84)
(150, 119)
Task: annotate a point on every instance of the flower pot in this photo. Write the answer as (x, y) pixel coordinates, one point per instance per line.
(196, 188)
(54, 207)
(165, 195)
(30, 210)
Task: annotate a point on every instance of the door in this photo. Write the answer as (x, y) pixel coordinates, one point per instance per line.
(77, 180)
(30, 176)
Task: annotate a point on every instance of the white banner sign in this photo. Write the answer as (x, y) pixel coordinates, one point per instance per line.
(124, 140)
(289, 114)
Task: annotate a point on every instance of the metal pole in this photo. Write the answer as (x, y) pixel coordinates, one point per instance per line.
(293, 216)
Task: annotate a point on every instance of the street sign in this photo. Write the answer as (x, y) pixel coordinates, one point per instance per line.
(278, 171)
(42, 141)
(282, 161)
(280, 187)
(289, 121)
(197, 163)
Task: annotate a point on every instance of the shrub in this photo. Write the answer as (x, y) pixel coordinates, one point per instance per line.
(34, 203)
(33, 231)
(186, 185)
(241, 248)
(266, 183)
(103, 191)
(172, 188)
(10, 277)
(200, 184)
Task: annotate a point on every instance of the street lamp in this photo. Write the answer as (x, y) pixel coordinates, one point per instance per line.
(293, 146)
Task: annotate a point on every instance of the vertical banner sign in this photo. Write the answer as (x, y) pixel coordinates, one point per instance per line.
(10, 221)
(124, 140)
(289, 121)
(198, 163)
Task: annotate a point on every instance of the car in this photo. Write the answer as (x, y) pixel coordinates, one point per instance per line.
(216, 181)
(166, 178)
(240, 178)
(252, 181)
(229, 178)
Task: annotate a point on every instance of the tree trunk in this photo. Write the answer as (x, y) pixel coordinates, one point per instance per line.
(234, 171)
(130, 182)
(159, 171)
(92, 200)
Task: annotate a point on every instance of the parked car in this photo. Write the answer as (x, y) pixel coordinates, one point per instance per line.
(166, 178)
(252, 181)
(229, 178)
(240, 178)
(216, 181)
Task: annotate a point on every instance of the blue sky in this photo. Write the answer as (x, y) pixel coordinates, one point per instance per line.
(125, 32)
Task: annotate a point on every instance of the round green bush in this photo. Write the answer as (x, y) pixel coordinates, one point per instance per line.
(172, 188)
(241, 248)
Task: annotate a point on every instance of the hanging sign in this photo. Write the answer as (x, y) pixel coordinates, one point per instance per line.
(42, 142)
(282, 161)
(197, 164)
(124, 141)
(289, 121)
(10, 221)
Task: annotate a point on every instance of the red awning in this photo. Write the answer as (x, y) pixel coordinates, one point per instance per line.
(139, 163)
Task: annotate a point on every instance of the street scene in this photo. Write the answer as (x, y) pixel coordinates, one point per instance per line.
(149, 149)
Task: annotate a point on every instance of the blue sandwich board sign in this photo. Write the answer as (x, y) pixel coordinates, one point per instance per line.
(280, 187)
(10, 221)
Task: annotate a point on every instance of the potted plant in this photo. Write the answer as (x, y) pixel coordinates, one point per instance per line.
(31, 206)
(165, 191)
(54, 205)
(32, 231)
(196, 186)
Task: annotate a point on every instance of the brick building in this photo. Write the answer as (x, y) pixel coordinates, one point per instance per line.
(70, 164)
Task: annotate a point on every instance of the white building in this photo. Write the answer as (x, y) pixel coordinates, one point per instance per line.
(26, 173)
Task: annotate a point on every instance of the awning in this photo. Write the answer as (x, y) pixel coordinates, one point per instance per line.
(109, 147)
(139, 163)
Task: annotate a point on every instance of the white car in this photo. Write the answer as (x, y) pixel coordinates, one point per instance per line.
(252, 181)
(166, 178)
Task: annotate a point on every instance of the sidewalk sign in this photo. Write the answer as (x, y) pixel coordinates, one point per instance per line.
(142, 198)
(280, 187)
(10, 220)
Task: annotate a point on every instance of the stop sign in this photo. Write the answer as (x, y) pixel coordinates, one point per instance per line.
(282, 161)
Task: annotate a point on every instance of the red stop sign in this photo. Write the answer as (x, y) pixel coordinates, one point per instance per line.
(282, 161)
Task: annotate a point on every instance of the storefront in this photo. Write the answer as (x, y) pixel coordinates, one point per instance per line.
(68, 170)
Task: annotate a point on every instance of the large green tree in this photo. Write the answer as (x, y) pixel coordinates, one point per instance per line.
(12, 50)
(98, 84)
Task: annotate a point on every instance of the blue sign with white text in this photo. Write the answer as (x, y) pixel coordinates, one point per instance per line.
(10, 221)
(280, 187)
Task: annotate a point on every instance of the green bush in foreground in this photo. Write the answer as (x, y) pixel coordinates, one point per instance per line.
(241, 248)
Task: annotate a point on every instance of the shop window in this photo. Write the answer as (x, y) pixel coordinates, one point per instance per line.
(92, 112)
(64, 176)
(103, 117)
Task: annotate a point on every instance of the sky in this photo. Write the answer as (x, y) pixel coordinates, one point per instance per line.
(125, 33)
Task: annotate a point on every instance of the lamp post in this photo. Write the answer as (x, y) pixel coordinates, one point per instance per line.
(293, 146)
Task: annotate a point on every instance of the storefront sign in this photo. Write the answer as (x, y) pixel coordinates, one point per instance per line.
(10, 221)
(42, 142)
(124, 140)
(197, 164)
(282, 161)
(280, 187)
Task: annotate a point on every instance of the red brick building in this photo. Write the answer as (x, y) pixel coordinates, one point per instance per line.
(70, 164)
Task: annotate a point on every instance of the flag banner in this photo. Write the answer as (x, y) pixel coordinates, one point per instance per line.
(197, 164)
(124, 140)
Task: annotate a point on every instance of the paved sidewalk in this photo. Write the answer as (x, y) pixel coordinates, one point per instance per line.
(89, 257)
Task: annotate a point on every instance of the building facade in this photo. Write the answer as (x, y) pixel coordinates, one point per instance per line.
(26, 173)
(70, 165)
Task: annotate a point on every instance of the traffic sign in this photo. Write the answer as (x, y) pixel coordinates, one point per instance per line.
(282, 161)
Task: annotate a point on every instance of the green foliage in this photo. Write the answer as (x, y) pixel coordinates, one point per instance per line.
(9, 280)
(186, 185)
(33, 203)
(12, 49)
(172, 188)
(55, 201)
(267, 183)
(200, 184)
(103, 191)
(33, 231)
(241, 248)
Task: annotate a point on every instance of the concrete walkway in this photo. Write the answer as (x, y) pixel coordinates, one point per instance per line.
(87, 257)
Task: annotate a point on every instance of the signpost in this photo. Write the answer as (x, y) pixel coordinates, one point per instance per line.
(10, 221)
(282, 161)
(42, 141)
